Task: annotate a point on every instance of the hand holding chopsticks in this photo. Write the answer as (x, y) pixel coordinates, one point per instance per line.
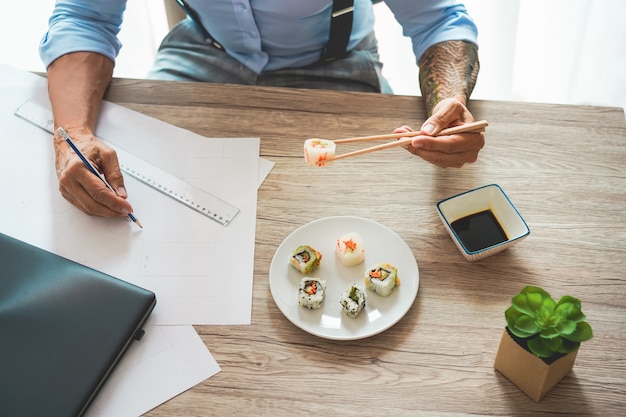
(319, 152)
(406, 138)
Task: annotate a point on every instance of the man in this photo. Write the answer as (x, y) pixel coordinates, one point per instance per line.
(282, 43)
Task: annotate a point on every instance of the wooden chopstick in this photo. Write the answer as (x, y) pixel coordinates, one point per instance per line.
(407, 137)
(468, 127)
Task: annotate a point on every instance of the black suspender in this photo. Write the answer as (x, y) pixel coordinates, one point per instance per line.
(340, 28)
(194, 16)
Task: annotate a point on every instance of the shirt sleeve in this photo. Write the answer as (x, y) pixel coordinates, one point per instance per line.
(85, 26)
(431, 22)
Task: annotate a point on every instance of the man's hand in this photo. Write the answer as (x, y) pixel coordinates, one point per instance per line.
(80, 186)
(448, 72)
(446, 151)
(76, 85)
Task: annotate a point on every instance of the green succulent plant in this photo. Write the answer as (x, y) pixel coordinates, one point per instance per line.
(548, 327)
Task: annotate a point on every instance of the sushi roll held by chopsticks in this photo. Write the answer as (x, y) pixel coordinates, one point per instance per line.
(318, 152)
(321, 152)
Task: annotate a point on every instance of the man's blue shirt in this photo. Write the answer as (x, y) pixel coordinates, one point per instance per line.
(263, 35)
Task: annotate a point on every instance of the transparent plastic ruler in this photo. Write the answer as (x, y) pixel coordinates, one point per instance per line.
(196, 199)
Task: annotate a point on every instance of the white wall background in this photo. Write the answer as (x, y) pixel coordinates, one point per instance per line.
(558, 51)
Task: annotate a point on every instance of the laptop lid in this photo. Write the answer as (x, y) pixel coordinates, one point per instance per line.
(63, 328)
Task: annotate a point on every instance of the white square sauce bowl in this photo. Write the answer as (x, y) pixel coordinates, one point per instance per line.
(482, 221)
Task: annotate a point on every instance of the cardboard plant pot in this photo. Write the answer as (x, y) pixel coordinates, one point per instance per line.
(528, 372)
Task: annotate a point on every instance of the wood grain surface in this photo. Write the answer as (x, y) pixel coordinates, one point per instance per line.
(564, 168)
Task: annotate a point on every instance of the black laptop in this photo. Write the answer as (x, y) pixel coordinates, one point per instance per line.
(63, 328)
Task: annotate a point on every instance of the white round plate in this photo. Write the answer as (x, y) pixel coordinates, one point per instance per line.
(381, 245)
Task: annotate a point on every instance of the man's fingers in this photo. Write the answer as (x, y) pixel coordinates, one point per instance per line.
(445, 160)
(467, 142)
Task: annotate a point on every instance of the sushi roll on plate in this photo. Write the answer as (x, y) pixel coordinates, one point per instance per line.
(305, 259)
(311, 293)
(382, 278)
(318, 152)
(349, 248)
(353, 301)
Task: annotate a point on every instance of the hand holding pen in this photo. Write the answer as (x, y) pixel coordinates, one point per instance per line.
(84, 193)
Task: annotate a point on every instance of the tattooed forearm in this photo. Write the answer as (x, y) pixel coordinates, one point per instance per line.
(448, 69)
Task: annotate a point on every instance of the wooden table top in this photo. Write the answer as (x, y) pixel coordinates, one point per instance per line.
(564, 168)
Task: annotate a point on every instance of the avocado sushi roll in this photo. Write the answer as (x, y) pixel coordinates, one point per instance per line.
(353, 301)
(305, 259)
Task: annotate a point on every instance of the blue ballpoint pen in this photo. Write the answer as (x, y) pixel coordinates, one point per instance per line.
(92, 168)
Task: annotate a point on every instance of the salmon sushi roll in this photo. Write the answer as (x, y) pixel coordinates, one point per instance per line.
(311, 293)
(382, 278)
(349, 248)
(319, 152)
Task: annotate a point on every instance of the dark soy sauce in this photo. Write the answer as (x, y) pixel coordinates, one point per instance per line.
(479, 230)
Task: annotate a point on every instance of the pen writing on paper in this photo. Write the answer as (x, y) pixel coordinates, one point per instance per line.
(92, 168)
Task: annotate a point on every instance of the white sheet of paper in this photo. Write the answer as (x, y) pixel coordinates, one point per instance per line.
(167, 361)
(200, 270)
